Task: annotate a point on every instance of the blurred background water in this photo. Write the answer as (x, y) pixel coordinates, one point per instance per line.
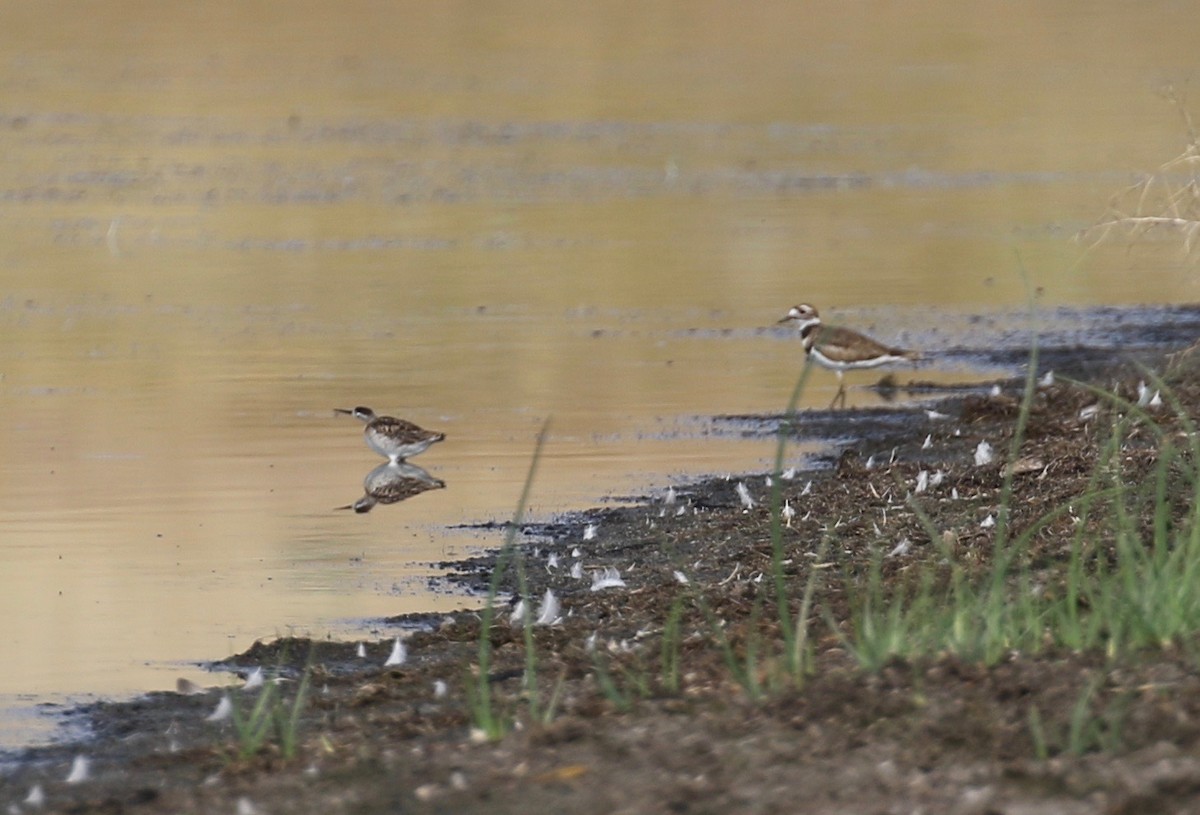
(220, 221)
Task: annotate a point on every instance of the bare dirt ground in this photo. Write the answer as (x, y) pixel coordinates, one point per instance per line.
(619, 729)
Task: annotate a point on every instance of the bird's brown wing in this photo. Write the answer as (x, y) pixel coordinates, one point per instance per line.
(403, 430)
(842, 344)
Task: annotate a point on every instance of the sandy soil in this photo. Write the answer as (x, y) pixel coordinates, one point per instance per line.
(613, 727)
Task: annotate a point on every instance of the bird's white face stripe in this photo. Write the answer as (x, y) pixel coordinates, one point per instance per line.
(802, 317)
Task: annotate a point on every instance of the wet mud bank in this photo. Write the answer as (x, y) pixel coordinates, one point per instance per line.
(659, 682)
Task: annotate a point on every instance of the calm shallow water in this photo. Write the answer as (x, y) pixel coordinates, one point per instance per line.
(479, 220)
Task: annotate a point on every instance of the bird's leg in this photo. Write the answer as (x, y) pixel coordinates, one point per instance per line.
(841, 392)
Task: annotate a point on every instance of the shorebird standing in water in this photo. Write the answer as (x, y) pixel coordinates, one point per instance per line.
(840, 349)
(395, 438)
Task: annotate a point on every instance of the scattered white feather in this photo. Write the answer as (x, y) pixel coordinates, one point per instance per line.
(607, 578)
(807, 489)
(995, 391)
(254, 680)
(246, 807)
(550, 612)
(901, 548)
(1047, 379)
(935, 416)
(589, 532)
(954, 493)
(768, 482)
(361, 652)
(878, 531)
(518, 613)
(743, 493)
(36, 797)
(80, 770)
(987, 523)
(1146, 398)
(922, 482)
(788, 513)
(576, 552)
(222, 711)
(788, 474)
(440, 689)
(937, 478)
(928, 442)
(552, 561)
(669, 498)
(679, 510)
(399, 654)
(680, 577)
(983, 454)
(870, 462)
(1089, 411)
(589, 644)
(577, 570)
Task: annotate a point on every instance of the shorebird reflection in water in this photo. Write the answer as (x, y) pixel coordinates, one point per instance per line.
(395, 438)
(392, 483)
(840, 349)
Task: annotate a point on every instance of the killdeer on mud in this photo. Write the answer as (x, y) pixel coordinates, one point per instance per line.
(392, 483)
(391, 437)
(840, 349)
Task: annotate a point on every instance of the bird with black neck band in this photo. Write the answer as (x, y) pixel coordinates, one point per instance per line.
(841, 349)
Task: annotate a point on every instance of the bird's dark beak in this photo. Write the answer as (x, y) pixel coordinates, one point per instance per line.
(343, 410)
(786, 319)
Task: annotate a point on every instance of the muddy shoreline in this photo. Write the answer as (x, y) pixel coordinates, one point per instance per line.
(605, 728)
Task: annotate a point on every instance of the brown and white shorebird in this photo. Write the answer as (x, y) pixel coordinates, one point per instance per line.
(395, 438)
(840, 349)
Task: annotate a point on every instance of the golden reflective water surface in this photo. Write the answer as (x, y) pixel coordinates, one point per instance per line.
(220, 221)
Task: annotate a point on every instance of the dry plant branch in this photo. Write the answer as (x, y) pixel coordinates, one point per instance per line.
(1168, 198)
